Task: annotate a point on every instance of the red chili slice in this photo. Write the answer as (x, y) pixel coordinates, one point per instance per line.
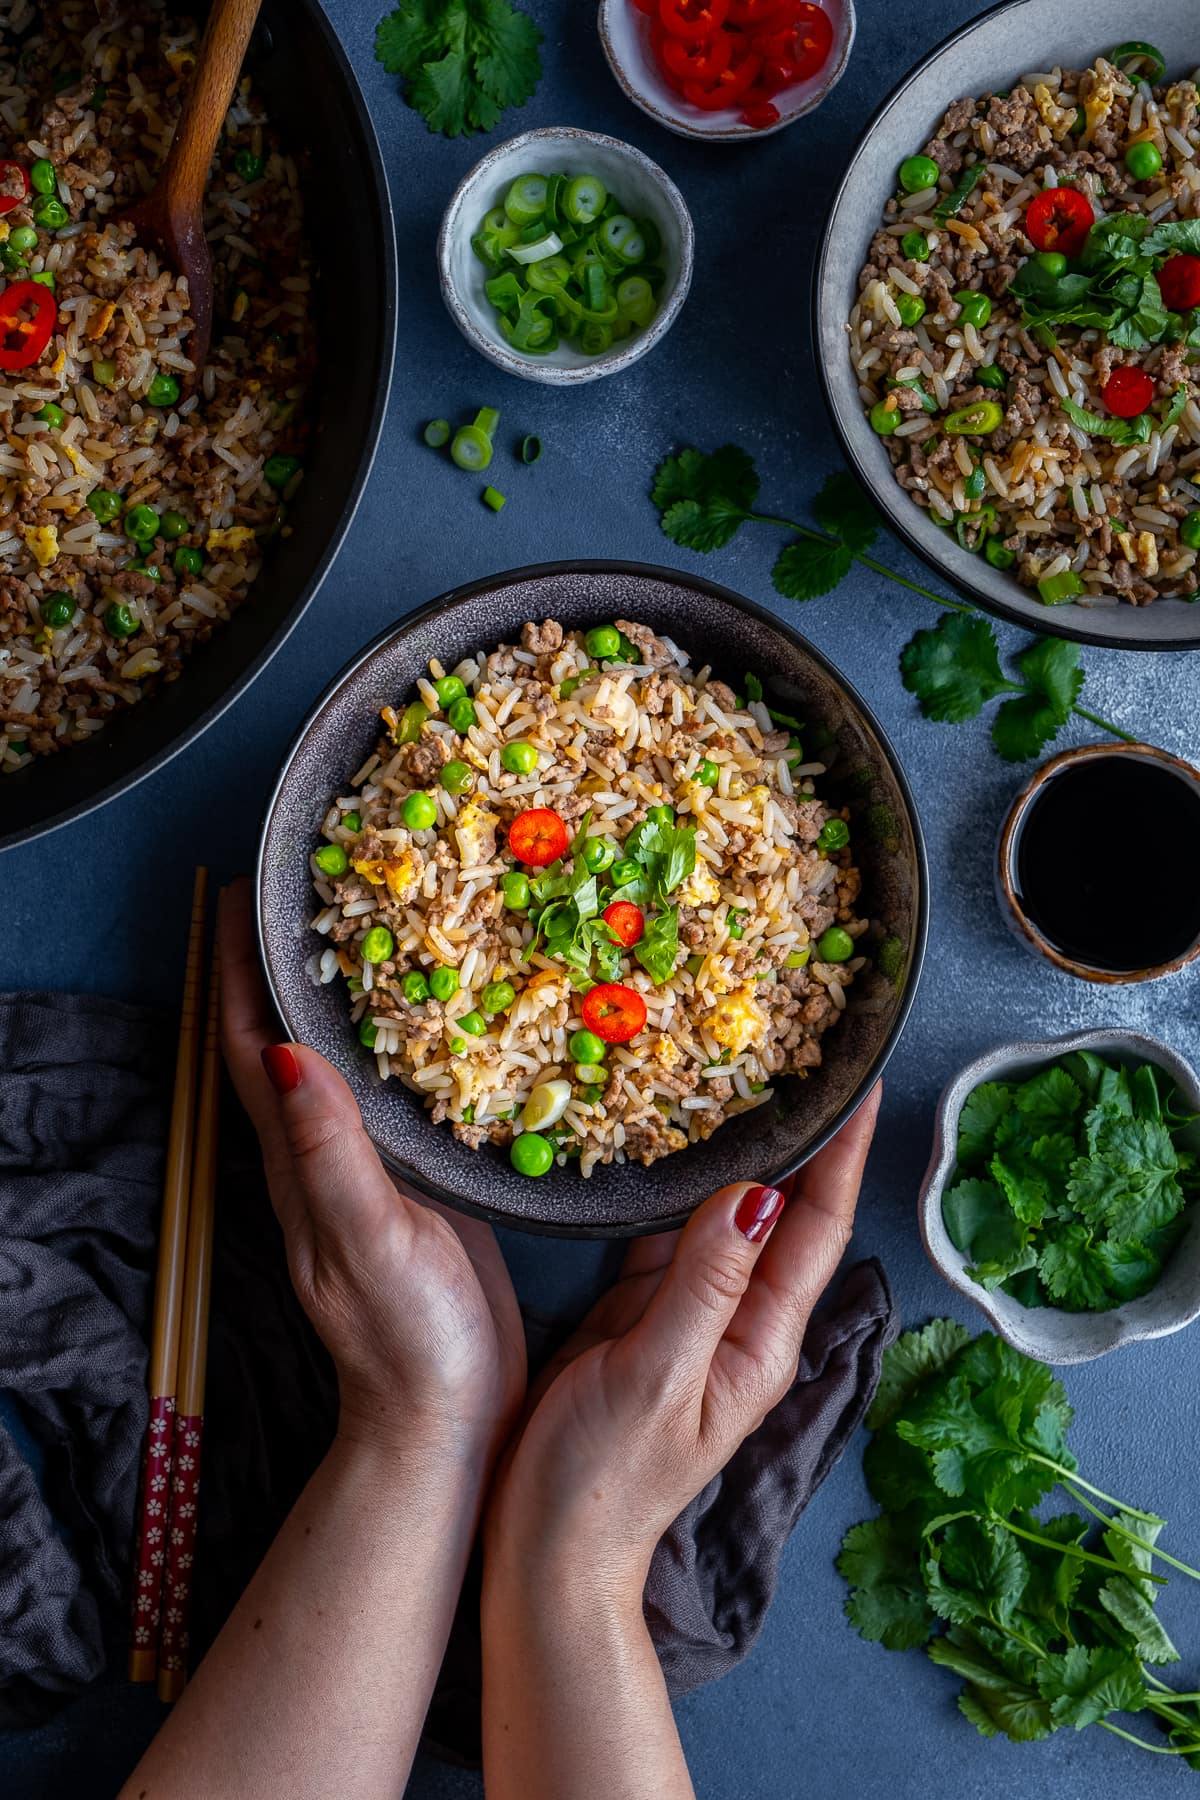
(697, 59)
(1059, 219)
(1127, 392)
(626, 922)
(758, 13)
(14, 185)
(614, 1012)
(538, 837)
(728, 88)
(692, 18)
(814, 41)
(760, 115)
(23, 339)
(1179, 282)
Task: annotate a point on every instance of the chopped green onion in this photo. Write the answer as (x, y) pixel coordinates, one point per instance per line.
(954, 201)
(531, 449)
(548, 245)
(471, 449)
(1053, 590)
(494, 498)
(525, 201)
(1147, 62)
(437, 432)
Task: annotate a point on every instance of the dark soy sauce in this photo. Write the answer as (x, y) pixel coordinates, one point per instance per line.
(1108, 863)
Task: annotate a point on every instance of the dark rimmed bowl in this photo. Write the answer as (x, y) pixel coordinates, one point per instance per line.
(1012, 39)
(716, 626)
(314, 98)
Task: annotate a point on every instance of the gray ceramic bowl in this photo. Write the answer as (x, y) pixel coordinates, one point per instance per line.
(993, 51)
(1045, 1332)
(734, 635)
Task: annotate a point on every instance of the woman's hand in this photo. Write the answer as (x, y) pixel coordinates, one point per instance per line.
(679, 1362)
(416, 1310)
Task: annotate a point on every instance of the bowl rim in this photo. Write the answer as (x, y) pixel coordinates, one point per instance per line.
(477, 589)
(618, 357)
(721, 134)
(376, 175)
(1053, 624)
(985, 1066)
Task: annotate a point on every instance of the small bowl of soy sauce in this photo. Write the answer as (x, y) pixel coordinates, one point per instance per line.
(1099, 863)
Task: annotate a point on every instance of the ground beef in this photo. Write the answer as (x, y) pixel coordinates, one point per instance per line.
(423, 760)
(542, 639)
(654, 652)
(722, 696)
(1018, 129)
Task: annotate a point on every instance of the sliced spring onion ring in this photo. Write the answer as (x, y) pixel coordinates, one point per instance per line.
(525, 201)
(549, 245)
(1136, 52)
(471, 449)
(494, 498)
(437, 433)
(531, 449)
(585, 199)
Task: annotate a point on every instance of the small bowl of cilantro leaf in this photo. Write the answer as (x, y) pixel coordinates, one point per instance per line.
(1061, 1194)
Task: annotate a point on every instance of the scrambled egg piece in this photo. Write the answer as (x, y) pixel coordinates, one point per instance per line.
(699, 889)
(475, 835)
(43, 543)
(1058, 118)
(1097, 104)
(737, 1021)
(231, 537)
(397, 873)
(666, 1052)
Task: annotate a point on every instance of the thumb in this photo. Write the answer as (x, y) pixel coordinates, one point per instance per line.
(335, 1173)
(700, 1292)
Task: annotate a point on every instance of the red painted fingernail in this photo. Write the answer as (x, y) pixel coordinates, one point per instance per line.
(757, 1211)
(283, 1068)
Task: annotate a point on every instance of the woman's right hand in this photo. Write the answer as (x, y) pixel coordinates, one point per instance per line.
(672, 1369)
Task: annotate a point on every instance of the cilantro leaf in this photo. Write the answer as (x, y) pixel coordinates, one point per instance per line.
(410, 36)
(981, 1224)
(1130, 1268)
(976, 1572)
(1121, 431)
(982, 1112)
(704, 498)
(881, 1560)
(1130, 1601)
(702, 525)
(1177, 234)
(1075, 1276)
(844, 510)
(1049, 1101)
(507, 65)
(1085, 1685)
(1130, 1183)
(658, 948)
(1023, 727)
(1050, 668)
(954, 668)
(463, 62)
(912, 1360)
(809, 568)
(1001, 1694)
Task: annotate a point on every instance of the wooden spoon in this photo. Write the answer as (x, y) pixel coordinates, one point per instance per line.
(170, 219)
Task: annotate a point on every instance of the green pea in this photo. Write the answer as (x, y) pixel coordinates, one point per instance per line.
(661, 815)
(531, 1154)
(42, 178)
(50, 213)
(172, 525)
(462, 716)
(996, 553)
(884, 417)
(975, 309)
(798, 958)
(120, 621)
(368, 1031)
(443, 983)
(51, 415)
(835, 945)
(1053, 262)
(141, 524)
(736, 928)
(625, 871)
(918, 173)
(249, 166)
(1143, 161)
(105, 504)
(598, 855)
(991, 375)
(419, 812)
(378, 944)
(911, 308)
(591, 1074)
(449, 689)
(586, 1047)
(1189, 531)
(915, 246)
(57, 610)
(514, 887)
(351, 821)
(104, 370)
(519, 757)
(707, 775)
(834, 835)
(497, 997)
(457, 1045)
(415, 988)
(163, 391)
(473, 1022)
(279, 470)
(331, 859)
(187, 561)
(603, 642)
(457, 777)
(24, 237)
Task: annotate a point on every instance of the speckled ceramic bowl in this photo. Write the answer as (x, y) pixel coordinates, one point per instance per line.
(1045, 1332)
(734, 635)
(625, 34)
(642, 187)
(991, 51)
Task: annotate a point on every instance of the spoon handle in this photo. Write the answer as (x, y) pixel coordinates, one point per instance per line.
(218, 65)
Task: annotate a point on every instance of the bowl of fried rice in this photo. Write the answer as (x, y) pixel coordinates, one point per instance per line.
(1008, 305)
(601, 887)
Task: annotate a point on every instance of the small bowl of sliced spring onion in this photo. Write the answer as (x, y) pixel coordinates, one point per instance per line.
(565, 255)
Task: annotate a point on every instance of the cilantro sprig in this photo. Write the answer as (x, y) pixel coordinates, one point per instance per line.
(462, 62)
(1048, 1629)
(1071, 1186)
(953, 670)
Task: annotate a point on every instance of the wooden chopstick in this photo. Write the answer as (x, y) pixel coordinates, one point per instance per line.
(150, 1543)
(193, 1353)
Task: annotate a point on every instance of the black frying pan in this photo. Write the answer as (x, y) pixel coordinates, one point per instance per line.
(315, 100)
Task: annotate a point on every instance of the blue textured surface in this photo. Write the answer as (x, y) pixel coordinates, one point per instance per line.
(101, 905)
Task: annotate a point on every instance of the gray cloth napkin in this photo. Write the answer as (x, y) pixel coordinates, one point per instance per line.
(84, 1103)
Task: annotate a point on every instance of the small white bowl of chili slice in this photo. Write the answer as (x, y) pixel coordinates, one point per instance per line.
(726, 71)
